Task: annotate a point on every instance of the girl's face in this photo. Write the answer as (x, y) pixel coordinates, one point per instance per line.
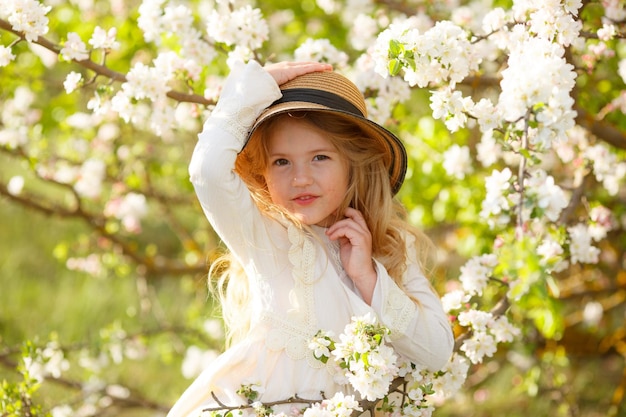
(306, 174)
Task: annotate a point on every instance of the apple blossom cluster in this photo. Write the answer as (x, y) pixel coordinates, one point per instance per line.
(75, 49)
(90, 264)
(129, 209)
(368, 364)
(474, 278)
(6, 55)
(321, 50)
(16, 117)
(339, 405)
(26, 16)
(580, 153)
(52, 362)
(363, 359)
(541, 198)
(457, 161)
(486, 332)
(443, 54)
(538, 80)
(45, 362)
(244, 27)
(159, 21)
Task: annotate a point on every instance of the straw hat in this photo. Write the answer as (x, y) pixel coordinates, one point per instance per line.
(331, 92)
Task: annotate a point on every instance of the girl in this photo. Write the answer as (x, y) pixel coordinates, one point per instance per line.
(300, 186)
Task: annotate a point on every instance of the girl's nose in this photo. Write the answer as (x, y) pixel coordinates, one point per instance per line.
(302, 178)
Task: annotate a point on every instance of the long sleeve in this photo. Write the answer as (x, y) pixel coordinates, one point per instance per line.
(420, 331)
(224, 197)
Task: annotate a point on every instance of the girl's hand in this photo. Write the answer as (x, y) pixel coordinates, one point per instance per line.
(355, 251)
(286, 70)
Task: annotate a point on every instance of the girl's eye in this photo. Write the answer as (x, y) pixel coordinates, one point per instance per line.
(320, 157)
(280, 162)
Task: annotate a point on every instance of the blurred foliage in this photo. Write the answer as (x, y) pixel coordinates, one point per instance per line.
(149, 295)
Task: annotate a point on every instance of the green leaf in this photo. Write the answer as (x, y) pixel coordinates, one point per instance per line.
(394, 67)
(396, 48)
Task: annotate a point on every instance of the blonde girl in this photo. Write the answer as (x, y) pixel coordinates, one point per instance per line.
(300, 184)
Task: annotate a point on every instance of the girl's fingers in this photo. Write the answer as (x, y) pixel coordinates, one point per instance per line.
(354, 220)
(356, 215)
(288, 70)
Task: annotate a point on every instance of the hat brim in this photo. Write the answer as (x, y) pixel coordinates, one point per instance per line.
(397, 162)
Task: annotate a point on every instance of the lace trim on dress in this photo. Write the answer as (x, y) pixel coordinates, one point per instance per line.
(294, 340)
(233, 117)
(294, 333)
(399, 310)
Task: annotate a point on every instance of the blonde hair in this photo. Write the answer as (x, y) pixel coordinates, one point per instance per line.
(369, 191)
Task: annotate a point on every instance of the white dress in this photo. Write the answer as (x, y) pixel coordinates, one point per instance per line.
(297, 288)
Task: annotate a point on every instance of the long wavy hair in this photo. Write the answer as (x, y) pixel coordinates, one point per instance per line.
(369, 191)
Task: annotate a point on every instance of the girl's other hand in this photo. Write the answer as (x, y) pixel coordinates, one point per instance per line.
(287, 70)
(355, 250)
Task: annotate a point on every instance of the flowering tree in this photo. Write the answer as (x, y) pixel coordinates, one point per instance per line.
(512, 112)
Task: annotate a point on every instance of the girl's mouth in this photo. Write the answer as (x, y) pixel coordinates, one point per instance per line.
(304, 199)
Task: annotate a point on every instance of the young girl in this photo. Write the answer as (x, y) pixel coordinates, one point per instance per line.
(300, 186)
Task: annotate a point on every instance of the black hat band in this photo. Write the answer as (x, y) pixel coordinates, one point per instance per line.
(324, 98)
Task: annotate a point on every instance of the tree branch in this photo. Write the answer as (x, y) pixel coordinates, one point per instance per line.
(601, 129)
(104, 70)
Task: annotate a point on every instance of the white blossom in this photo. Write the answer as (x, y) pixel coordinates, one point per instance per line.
(551, 198)
(90, 177)
(388, 91)
(143, 82)
(47, 362)
(15, 185)
(177, 19)
(27, 16)
(503, 330)
(538, 77)
(72, 81)
(488, 150)
(62, 411)
(104, 39)
(451, 107)
(606, 167)
(453, 376)
(581, 250)
(476, 272)
(552, 255)
(6, 56)
(457, 161)
(495, 202)
(621, 69)
(481, 344)
(320, 345)
(442, 54)
(601, 222)
(614, 10)
(130, 209)
(91, 264)
(494, 20)
(454, 300)
(244, 27)
(341, 405)
(476, 319)
(149, 20)
(321, 50)
(486, 113)
(74, 48)
(592, 313)
(363, 32)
